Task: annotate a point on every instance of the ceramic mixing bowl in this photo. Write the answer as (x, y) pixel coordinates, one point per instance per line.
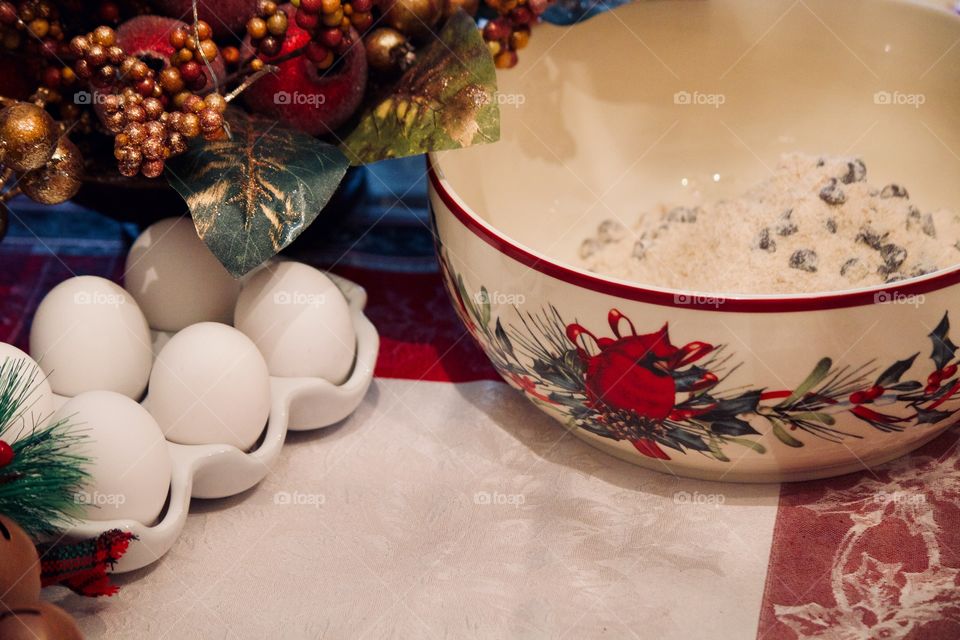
(664, 100)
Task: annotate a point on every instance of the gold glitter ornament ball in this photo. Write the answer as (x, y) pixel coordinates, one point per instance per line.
(59, 179)
(28, 136)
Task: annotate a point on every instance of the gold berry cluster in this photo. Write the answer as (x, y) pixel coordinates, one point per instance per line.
(31, 23)
(193, 50)
(510, 30)
(152, 115)
(268, 28)
(330, 24)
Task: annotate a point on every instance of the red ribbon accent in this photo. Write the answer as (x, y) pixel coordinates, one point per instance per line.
(82, 566)
(946, 396)
(650, 449)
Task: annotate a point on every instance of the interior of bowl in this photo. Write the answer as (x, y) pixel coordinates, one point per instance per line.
(595, 124)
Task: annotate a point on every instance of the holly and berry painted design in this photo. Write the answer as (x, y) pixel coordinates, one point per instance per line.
(667, 399)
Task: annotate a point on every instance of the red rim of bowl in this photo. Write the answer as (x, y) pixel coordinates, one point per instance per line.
(730, 303)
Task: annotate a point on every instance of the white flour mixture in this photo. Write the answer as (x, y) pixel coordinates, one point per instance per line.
(815, 225)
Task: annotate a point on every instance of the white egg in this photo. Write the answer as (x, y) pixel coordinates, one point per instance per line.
(300, 321)
(37, 398)
(176, 280)
(89, 334)
(129, 464)
(210, 385)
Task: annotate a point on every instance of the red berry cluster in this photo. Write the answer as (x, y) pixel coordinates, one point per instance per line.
(510, 31)
(867, 396)
(329, 23)
(935, 380)
(194, 48)
(267, 28)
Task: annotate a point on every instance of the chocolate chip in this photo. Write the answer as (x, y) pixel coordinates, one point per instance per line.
(856, 172)
(683, 214)
(804, 260)
(589, 247)
(893, 255)
(821, 162)
(896, 277)
(916, 219)
(894, 191)
(831, 225)
(922, 271)
(610, 231)
(786, 226)
(654, 233)
(639, 250)
(849, 264)
(871, 238)
(765, 242)
(832, 194)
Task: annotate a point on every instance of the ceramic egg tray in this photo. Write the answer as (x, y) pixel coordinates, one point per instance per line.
(221, 470)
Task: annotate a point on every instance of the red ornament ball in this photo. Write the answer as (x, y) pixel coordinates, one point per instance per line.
(6, 454)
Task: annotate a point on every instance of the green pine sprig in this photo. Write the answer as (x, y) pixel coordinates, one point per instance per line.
(39, 487)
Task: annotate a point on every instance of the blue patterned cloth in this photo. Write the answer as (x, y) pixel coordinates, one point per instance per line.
(565, 12)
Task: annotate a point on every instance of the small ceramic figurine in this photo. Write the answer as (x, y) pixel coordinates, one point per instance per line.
(22, 614)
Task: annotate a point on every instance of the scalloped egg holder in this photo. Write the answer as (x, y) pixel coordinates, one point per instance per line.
(221, 470)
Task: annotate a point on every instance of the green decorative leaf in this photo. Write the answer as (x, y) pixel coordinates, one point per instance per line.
(750, 444)
(816, 376)
(688, 439)
(716, 452)
(468, 300)
(503, 338)
(782, 434)
(811, 416)
(484, 306)
(895, 371)
(447, 100)
(932, 416)
(253, 195)
(732, 427)
(728, 407)
(943, 348)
